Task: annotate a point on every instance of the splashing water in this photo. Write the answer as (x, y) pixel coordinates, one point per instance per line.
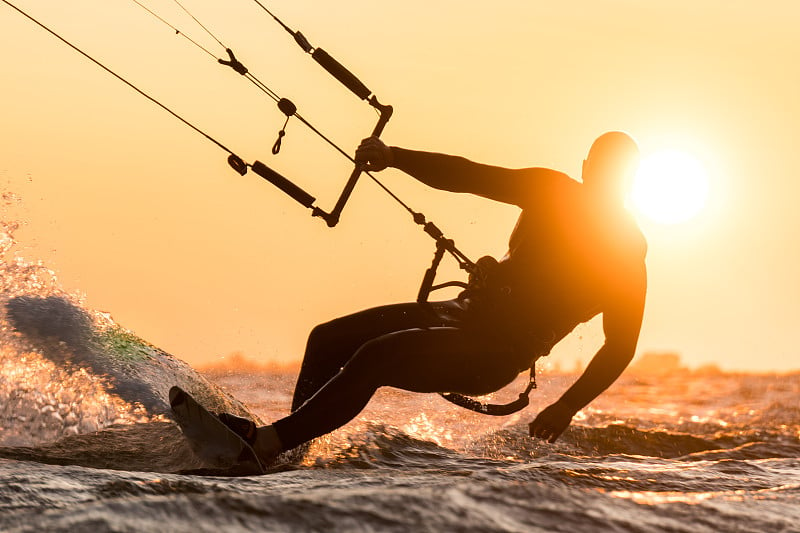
(39, 400)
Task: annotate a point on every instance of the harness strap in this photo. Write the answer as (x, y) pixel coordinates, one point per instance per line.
(494, 409)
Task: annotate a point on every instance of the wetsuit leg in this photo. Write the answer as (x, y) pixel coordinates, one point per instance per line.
(331, 345)
(436, 359)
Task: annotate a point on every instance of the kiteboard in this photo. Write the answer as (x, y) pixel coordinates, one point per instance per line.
(216, 444)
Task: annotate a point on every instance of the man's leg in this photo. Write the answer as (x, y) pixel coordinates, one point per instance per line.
(331, 345)
(438, 359)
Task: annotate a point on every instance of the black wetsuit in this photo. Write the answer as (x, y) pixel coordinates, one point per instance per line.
(568, 260)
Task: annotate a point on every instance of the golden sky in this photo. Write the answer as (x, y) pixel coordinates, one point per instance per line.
(144, 217)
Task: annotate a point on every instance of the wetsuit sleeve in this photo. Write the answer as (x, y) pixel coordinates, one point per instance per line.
(622, 322)
(457, 174)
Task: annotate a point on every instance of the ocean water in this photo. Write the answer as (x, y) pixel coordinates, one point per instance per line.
(86, 445)
(681, 453)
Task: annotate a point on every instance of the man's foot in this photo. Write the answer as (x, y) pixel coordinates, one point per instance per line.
(264, 440)
(243, 427)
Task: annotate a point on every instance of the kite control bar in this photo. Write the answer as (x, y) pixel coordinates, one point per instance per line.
(332, 218)
(304, 198)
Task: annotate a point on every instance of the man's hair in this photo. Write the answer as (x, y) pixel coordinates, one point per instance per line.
(613, 154)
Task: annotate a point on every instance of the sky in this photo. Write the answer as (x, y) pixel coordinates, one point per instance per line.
(144, 218)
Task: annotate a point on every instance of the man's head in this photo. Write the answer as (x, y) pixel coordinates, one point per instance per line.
(609, 168)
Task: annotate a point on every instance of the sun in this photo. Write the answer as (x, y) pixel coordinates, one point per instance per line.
(670, 187)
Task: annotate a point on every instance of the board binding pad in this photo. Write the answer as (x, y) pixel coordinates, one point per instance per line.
(211, 440)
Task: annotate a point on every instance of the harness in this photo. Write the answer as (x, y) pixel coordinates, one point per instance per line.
(462, 400)
(332, 217)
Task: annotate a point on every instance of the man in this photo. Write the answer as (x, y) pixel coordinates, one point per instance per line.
(574, 253)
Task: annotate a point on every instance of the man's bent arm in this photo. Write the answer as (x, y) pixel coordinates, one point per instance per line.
(621, 324)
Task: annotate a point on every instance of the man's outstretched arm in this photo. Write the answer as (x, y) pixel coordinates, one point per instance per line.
(458, 174)
(621, 323)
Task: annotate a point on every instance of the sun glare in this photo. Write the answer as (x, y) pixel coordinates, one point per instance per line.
(670, 187)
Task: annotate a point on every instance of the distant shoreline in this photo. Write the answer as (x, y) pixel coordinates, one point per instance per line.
(648, 364)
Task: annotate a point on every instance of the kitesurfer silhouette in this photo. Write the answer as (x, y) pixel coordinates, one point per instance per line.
(574, 253)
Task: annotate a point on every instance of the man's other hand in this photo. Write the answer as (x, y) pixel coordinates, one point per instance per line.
(552, 422)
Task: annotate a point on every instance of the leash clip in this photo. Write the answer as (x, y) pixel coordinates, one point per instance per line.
(288, 108)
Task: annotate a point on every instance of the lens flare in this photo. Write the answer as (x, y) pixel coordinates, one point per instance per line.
(670, 187)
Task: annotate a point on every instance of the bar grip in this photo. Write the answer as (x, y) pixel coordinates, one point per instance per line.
(283, 184)
(339, 72)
